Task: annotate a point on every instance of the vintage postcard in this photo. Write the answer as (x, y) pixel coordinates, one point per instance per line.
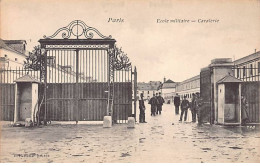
(120, 81)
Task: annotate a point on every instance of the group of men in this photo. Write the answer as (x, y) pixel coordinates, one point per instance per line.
(195, 106)
(156, 103)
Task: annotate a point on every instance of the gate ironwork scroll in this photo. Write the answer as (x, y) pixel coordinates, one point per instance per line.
(86, 77)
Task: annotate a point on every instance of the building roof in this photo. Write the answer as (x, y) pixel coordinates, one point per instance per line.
(5, 46)
(248, 58)
(15, 41)
(27, 78)
(197, 77)
(229, 79)
(167, 84)
(2, 44)
(169, 81)
(155, 83)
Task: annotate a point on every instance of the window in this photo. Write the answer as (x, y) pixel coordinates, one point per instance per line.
(244, 71)
(148, 92)
(5, 55)
(251, 69)
(15, 59)
(231, 93)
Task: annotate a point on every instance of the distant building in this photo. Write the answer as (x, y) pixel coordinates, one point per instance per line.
(148, 89)
(189, 86)
(17, 45)
(248, 67)
(12, 53)
(168, 90)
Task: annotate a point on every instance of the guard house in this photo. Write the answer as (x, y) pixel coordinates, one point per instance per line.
(229, 101)
(209, 77)
(26, 97)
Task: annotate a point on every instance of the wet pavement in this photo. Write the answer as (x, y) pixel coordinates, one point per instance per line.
(155, 141)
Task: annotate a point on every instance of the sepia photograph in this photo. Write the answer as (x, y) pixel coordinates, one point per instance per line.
(120, 81)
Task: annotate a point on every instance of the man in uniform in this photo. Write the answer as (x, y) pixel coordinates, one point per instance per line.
(184, 108)
(153, 103)
(193, 107)
(142, 110)
(199, 108)
(244, 113)
(160, 102)
(177, 102)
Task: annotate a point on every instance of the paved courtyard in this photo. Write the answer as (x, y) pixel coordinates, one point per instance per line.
(155, 141)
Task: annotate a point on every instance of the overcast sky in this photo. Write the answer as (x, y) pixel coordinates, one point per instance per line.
(175, 50)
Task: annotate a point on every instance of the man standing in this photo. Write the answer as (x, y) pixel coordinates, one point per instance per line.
(142, 110)
(153, 103)
(176, 101)
(184, 108)
(199, 108)
(193, 107)
(244, 113)
(160, 101)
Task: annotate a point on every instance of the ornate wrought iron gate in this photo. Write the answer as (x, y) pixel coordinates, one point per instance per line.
(85, 79)
(251, 91)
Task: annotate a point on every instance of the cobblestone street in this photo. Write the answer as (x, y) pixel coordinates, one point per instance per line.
(155, 141)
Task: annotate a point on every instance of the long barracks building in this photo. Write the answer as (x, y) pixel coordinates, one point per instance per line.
(246, 69)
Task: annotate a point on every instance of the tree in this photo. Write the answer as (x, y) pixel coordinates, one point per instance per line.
(36, 61)
(120, 59)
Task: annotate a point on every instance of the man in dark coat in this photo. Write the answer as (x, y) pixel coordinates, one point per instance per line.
(160, 102)
(153, 102)
(199, 108)
(184, 108)
(193, 107)
(244, 113)
(142, 110)
(177, 101)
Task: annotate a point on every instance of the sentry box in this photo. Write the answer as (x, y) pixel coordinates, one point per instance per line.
(229, 101)
(26, 98)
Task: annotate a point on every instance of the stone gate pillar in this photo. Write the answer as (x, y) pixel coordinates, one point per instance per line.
(220, 67)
